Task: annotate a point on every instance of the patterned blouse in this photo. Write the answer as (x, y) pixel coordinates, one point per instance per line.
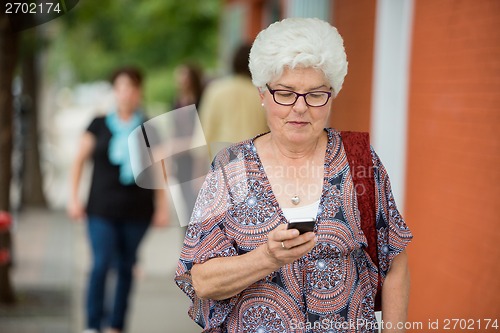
(331, 289)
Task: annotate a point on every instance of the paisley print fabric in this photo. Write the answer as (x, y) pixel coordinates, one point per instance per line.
(331, 288)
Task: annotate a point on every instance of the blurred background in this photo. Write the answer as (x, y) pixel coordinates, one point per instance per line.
(424, 80)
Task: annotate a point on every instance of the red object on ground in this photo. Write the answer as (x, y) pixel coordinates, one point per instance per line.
(5, 221)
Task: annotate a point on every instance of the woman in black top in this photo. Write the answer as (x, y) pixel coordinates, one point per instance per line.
(118, 211)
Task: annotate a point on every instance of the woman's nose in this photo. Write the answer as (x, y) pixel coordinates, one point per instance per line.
(300, 104)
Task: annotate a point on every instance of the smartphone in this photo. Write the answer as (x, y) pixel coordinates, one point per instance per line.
(303, 225)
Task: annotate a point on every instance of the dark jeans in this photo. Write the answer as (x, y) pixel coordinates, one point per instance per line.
(114, 244)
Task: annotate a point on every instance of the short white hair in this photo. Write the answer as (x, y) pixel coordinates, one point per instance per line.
(298, 42)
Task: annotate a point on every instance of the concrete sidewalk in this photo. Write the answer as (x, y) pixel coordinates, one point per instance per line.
(49, 277)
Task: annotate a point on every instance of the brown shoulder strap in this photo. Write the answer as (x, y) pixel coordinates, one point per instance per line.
(357, 148)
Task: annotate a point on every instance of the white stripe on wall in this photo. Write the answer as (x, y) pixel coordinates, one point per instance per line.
(390, 89)
(308, 8)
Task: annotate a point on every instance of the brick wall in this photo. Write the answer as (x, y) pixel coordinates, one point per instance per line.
(453, 178)
(355, 21)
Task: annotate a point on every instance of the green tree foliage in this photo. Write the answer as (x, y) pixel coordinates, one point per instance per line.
(99, 35)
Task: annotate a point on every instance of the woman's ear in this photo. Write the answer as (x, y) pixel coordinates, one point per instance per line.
(261, 94)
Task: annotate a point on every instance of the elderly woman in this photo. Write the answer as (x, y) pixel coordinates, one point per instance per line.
(242, 268)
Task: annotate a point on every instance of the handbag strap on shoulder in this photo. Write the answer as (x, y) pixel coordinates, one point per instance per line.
(358, 151)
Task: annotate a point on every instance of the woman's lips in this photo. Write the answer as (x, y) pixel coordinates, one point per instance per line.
(298, 123)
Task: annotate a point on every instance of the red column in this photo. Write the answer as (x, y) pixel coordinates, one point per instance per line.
(355, 21)
(453, 178)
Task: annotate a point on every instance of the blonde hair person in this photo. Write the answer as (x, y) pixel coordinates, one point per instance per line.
(240, 265)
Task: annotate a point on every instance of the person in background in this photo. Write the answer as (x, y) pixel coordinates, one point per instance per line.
(240, 265)
(230, 109)
(189, 83)
(118, 212)
(183, 165)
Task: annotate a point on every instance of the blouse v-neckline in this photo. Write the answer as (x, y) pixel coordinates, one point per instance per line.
(267, 184)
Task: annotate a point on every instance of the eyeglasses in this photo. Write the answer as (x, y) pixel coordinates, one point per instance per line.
(289, 97)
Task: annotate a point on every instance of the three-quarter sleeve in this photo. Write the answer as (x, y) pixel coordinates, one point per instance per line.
(206, 239)
(393, 235)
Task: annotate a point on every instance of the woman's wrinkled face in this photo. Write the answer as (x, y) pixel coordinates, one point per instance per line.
(297, 123)
(128, 94)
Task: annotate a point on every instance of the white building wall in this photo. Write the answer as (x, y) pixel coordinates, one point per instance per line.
(307, 8)
(390, 89)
